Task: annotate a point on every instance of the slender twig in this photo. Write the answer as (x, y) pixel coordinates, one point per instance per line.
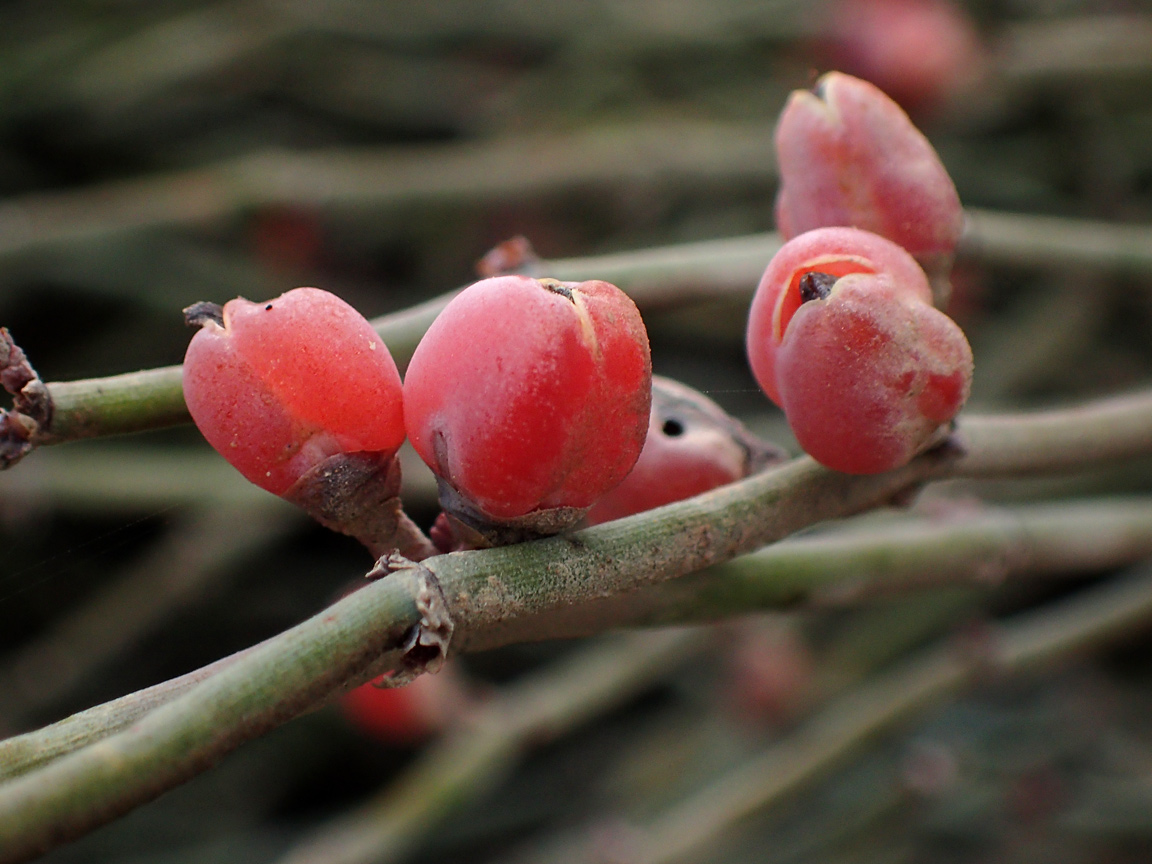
(849, 566)
(1081, 47)
(674, 274)
(1052, 539)
(1039, 540)
(490, 588)
(528, 713)
(132, 402)
(185, 565)
(254, 693)
(498, 168)
(22, 753)
(1051, 242)
(104, 478)
(1024, 643)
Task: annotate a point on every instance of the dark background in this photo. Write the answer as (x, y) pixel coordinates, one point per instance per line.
(130, 134)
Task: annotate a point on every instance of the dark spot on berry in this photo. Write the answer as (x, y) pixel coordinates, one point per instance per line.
(201, 313)
(816, 286)
(557, 287)
(268, 308)
(672, 427)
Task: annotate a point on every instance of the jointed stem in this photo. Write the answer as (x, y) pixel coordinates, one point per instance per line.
(487, 592)
(653, 277)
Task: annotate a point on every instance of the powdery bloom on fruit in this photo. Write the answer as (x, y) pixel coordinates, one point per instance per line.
(693, 446)
(866, 376)
(277, 387)
(835, 251)
(528, 394)
(866, 370)
(849, 156)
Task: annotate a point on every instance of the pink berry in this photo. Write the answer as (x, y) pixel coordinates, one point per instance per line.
(918, 51)
(410, 714)
(278, 387)
(833, 251)
(849, 156)
(841, 335)
(693, 446)
(530, 395)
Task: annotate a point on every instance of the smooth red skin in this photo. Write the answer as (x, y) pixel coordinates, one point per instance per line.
(917, 51)
(523, 399)
(276, 390)
(402, 715)
(837, 251)
(851, 157)
(867, 375)
(672, 468)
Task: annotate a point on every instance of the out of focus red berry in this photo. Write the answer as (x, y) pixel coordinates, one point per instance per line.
(693, 445)
(919, 52)
(409, 714)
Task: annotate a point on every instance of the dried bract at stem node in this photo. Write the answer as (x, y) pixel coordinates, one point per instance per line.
(426, 647)
(199, 314)
(31, 410)
(514, 255)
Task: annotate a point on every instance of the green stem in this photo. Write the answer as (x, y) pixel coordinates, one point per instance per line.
(454, 771)
(1043, 540)
(653, 277)
(489, 590)
(1051, 539)
(183, 567)
(254, 693)
(515, 165)
(852, 566)
(1028, 641)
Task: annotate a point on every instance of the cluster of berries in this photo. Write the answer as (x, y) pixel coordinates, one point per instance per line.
(843, 333)
(531, 399)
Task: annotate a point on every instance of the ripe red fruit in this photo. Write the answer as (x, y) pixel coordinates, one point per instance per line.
(529, 399)
(849, 156)
(278, 387)
(410, 714)
(842, 336)
(918, 51)
(302, 397)
(693, 446)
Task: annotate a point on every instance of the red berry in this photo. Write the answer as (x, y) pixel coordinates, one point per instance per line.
(529, 395)
(409, 714)
(833, 251)
(841, 335)
(693, 446)
(917, 51)
(849, 156)
(278, 387)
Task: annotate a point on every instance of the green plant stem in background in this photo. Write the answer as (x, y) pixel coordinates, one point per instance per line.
(1045, 540)
(342, 646)
(1022, 644)
(473, 170)
(534, 710)
(187, 565)
(654, 277)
